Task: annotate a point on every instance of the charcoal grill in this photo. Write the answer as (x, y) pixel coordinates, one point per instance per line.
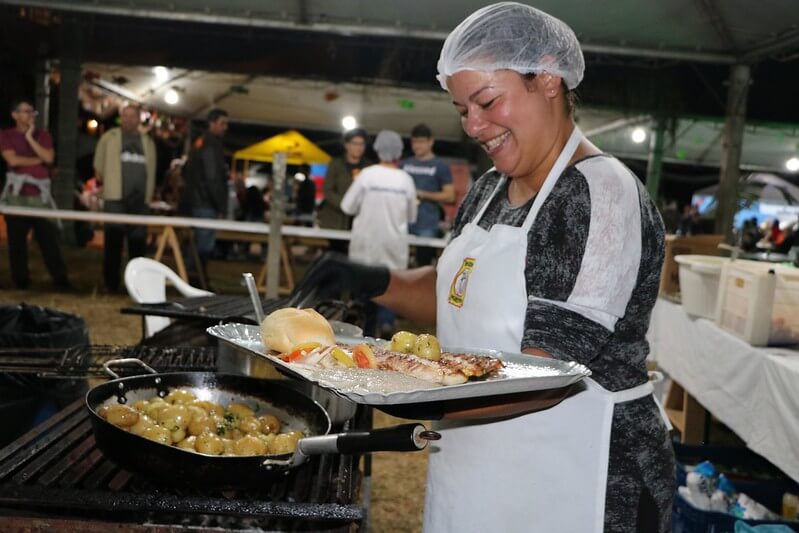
(56, 471)
(19, 364)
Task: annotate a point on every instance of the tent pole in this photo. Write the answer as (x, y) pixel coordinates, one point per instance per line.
(276, 210)
(740, 78)
(654, 165)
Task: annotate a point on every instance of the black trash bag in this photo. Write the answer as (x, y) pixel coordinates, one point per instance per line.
(26, 400)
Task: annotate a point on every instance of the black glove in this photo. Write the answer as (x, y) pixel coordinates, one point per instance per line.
(334, 274)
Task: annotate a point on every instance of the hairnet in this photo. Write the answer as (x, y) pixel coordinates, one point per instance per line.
(388, 145)
(512, 36)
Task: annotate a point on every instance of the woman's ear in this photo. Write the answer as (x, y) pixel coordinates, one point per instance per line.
(550, 84)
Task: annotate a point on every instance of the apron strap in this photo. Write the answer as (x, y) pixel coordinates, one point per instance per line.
(482, 211)
(554, 173)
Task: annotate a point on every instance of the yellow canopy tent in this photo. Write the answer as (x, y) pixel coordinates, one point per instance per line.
(299, 150)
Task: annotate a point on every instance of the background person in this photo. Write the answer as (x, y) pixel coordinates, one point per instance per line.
(205, 193)
(563, 249)
(124, 163)
(339, 176)
(383, 202)
(28, 153)
(434, 188)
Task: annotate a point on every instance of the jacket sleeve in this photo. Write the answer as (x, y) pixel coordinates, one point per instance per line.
(212, 179)
(333, 190)
(99, 156)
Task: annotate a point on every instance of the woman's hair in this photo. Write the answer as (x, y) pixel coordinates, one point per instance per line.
(512, 36)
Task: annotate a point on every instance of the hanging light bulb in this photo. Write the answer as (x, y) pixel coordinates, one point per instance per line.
(639, 135)
(171, 97)
(349, 123)
(161, 73)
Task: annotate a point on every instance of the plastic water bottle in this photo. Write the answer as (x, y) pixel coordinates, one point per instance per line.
(724, 496)
(698, 489)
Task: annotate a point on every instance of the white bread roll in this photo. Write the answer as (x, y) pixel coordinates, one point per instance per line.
(285, 328)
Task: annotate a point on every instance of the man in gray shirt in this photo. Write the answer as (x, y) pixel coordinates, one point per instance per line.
(124, 162)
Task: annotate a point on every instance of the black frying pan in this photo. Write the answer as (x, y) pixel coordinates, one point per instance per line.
(175, 466)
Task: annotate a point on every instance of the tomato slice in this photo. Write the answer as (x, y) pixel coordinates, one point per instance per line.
(363, 356)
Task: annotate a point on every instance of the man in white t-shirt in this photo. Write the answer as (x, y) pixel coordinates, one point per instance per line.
(383, 201)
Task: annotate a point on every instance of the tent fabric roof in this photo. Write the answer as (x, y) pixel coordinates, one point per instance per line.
(299, 149)
(700, 30)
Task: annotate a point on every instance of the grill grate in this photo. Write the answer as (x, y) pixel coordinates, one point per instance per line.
(87, 361)
(215, 307)
(56, 470)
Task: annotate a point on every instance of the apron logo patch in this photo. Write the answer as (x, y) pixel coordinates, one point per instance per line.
(457, 291)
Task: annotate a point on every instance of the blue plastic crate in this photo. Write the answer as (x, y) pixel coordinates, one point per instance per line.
(688, 519)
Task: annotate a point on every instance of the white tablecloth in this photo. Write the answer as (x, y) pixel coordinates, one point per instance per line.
(754, 391)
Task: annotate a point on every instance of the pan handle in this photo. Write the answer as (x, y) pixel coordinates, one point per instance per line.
(404, 438)
(126, 361)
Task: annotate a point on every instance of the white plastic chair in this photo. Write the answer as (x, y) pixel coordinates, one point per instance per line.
(146, 279)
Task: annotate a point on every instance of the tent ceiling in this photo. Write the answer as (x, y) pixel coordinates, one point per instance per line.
(318, 105)
(701, 30)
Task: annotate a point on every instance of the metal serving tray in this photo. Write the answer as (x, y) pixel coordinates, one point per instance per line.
(522, 373)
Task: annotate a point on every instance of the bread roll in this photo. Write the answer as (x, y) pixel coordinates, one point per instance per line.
(285, 328)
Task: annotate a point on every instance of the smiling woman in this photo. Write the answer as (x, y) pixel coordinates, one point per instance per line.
(555, 252)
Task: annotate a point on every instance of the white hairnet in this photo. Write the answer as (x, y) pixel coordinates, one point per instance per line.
(388, 145)
(512, 36)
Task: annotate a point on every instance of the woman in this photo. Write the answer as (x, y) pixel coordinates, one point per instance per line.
(340, 173)
(555, 252)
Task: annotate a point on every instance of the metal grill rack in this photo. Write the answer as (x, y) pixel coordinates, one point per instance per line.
(55, 470)
(87, 361)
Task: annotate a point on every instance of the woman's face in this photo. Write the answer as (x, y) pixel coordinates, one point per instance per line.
(511, 118)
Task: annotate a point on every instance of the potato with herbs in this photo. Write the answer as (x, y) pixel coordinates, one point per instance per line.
(427, 347)
(121, 415)
(179, 419)
(403, 341)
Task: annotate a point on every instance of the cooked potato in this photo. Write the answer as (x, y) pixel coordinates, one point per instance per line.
(200, 425)
(196, 412)
(140, 405)
(143, 423)
(427, 346)
(153, 408)
(249, 445)
(102, 411)
(122, 415)
(209, 407)
(403, 341)
(174, 417)
(285, 442)
(250, 425)
(181, 396)
(240, 410)
(158, 434)
(269, 424)
(209, 444)
(187, 444)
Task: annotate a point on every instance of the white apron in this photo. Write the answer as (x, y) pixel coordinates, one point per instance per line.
(544, 471)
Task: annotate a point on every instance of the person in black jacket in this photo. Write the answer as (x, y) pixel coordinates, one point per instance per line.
(205, 192)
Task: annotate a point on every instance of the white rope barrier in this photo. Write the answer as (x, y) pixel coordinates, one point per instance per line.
(205, 223)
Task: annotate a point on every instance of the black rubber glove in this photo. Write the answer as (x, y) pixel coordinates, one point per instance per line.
(333, 274)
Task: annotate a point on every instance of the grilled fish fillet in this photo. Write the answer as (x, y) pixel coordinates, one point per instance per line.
(451, 369)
